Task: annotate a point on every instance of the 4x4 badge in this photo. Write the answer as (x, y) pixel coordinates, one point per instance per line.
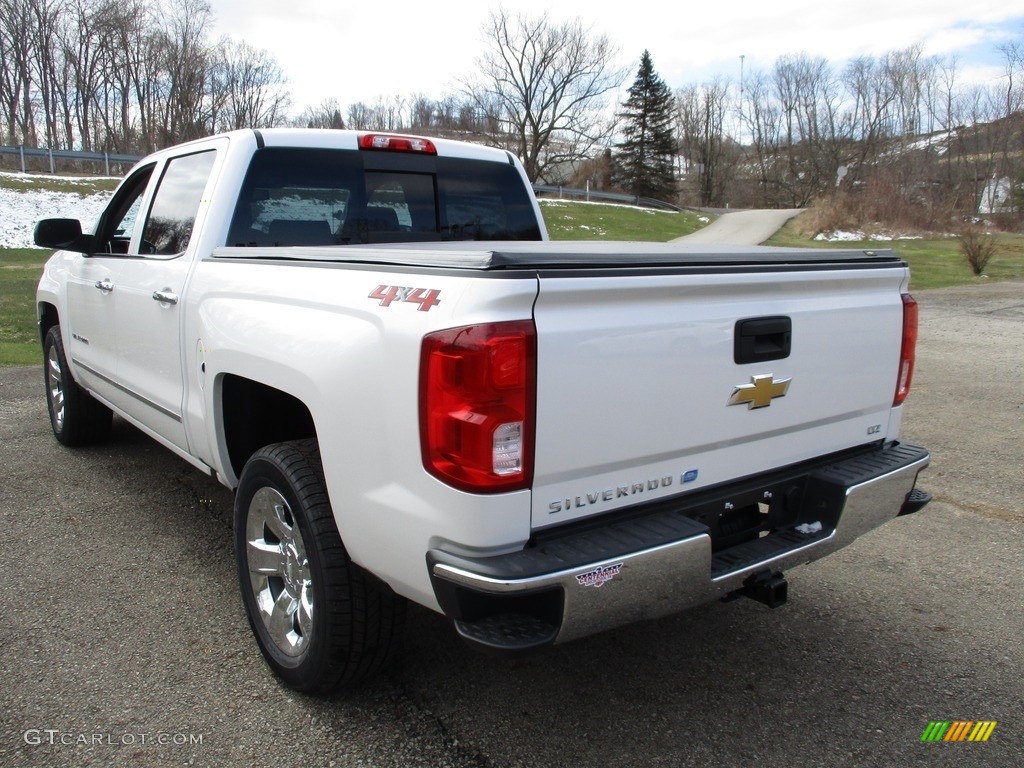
(760, 392)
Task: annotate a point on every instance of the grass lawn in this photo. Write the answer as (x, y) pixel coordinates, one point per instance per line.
(571, 220)
(934, 262)
(83, 186)
(19, 272)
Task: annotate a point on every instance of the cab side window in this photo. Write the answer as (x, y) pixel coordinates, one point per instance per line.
(173, 212)
(114, 231)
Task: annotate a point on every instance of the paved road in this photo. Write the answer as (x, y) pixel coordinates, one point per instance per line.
(120, 622)
(742, 227)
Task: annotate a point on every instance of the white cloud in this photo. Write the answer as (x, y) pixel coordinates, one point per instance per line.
(360, 52)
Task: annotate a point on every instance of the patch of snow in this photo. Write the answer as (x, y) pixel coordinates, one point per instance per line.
(47, 177)
(842, 236)
(21, 211)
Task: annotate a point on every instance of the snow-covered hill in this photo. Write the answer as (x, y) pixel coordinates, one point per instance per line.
(25, 198)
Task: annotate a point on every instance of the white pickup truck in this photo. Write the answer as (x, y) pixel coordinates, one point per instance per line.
(415, 397)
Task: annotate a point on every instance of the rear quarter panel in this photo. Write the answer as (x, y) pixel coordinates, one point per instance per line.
(315, 332)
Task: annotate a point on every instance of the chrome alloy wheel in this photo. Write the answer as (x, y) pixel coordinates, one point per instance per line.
(279, 571)
(55, 387)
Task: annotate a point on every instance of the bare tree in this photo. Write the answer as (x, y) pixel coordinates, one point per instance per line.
(907, 72)
(16, 39)
(1013, 67)
(763, 120)
(360, 117)
(327, 114)
(81, 47)
(545, 85)
(447, 111)
(186, 55)
(45, 61)
(248, 87)
(700, 124)
(388, 114)
(131, 34)
(810, 99)
(1013, 54)
(422, 113)
(871, 98)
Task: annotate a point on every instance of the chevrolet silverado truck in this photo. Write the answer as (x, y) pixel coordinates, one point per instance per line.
(416, 397)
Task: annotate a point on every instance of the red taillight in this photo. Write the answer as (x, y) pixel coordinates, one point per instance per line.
(477, 403)
(907, 350)
(390, 143)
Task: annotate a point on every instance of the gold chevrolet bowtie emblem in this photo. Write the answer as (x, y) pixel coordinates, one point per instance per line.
(760, 392)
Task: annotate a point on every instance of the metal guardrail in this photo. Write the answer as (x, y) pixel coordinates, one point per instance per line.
(69, 154)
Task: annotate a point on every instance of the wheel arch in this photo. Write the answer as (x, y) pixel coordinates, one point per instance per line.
(47, 318)
(254, 415)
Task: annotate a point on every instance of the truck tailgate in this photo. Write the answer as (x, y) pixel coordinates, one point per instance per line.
(644, 391)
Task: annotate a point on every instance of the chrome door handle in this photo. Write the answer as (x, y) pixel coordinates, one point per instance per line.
(165, 296)
(105, 285)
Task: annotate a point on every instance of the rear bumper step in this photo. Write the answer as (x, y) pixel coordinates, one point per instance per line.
(916, 499)
(661, 561)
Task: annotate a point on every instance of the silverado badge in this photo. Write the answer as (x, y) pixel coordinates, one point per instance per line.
(760, 392)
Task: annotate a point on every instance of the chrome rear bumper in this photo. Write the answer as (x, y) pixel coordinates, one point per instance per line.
(661, 561)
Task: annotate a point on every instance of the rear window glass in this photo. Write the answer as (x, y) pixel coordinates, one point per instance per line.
(294, 196)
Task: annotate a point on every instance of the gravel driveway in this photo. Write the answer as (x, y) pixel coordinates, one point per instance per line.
(125, 644)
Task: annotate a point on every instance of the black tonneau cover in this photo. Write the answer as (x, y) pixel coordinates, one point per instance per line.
(570, 255)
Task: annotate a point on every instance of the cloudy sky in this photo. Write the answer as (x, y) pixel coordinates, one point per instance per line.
(361, 51)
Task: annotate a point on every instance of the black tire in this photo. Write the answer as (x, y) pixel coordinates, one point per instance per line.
(283, 520)
(76, 418)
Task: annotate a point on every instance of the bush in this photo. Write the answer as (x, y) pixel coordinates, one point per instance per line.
(977, 247)
(880, 205)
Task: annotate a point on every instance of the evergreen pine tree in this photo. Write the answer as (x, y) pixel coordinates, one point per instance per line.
(646, 159)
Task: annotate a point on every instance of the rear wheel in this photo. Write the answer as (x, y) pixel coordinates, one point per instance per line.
(76, 418)
(320, 620)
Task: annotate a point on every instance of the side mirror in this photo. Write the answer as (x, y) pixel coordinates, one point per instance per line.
(63, 234)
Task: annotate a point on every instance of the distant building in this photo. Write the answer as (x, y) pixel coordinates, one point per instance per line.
(997, 197)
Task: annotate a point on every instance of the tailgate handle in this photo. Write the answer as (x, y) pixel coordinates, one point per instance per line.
(759, 339)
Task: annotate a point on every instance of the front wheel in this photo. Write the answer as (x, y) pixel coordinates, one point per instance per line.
(320, 621)
(76, 418)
